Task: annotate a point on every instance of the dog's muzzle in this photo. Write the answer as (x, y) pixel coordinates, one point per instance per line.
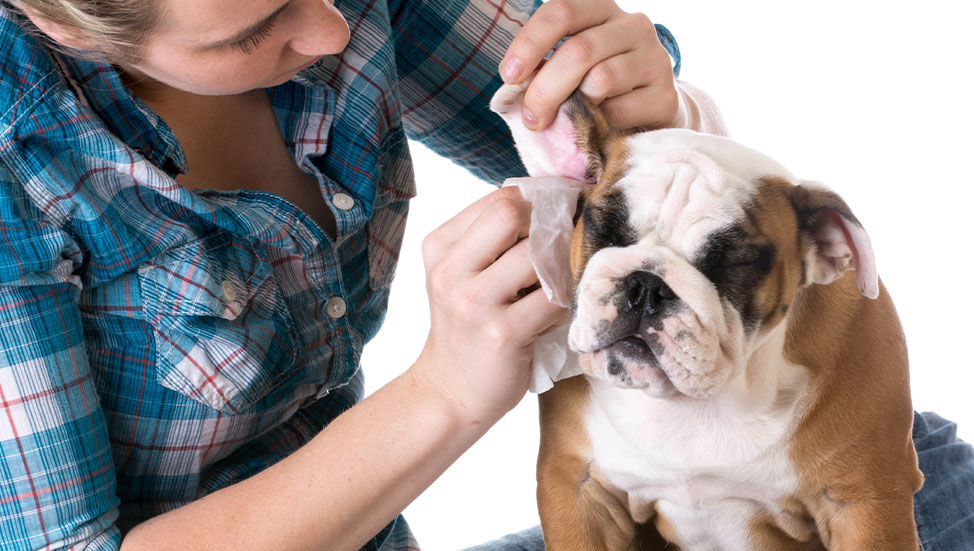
(657, 324)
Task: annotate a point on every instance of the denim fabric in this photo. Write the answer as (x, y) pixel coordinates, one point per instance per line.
(527, 540)
(944, 507)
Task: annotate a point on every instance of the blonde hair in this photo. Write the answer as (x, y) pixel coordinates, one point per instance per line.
(116, 29)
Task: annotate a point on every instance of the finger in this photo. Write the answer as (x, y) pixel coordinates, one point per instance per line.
(440, 240)
(652, 106)
(623, 73)
(564, 318)
(553, 21)
(497, 229)
(563, 72)
(534, 315)
(509, 275)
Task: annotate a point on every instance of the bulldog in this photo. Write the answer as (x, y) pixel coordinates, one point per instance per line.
(745, 382)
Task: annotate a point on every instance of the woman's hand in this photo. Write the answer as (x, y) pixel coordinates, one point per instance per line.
(483, 318)
(613, 56)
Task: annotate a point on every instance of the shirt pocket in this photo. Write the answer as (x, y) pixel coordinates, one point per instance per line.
(223, 333)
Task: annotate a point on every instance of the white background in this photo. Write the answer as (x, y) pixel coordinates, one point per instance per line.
(873, 98)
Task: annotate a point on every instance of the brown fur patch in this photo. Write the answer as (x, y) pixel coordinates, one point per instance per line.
(810, 201)
(771, 218)
(579, 512)
(853, 450)
(767, 533)
(604, 147)
(607, 153)
(598, 194)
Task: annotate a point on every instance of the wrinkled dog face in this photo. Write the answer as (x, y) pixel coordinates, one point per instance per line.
(687, 250)
(672, 267)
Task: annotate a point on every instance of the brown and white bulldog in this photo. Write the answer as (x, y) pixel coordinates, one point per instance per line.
(745, 377)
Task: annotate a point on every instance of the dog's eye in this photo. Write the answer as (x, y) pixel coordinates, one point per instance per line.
(736, 257)
(747, 256)
(732, 249)
(607, 227)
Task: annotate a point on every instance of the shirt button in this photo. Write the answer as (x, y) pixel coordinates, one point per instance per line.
(335, 308)
(229, 294)
(343, 201)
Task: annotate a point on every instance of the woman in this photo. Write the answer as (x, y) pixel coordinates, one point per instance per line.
(198, 243)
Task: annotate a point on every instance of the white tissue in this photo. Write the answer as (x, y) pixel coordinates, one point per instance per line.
(553, 360)
(553, 200)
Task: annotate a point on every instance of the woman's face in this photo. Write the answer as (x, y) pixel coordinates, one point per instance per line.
(223, 47)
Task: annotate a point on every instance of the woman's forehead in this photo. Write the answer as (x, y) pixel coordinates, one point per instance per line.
(202, 22)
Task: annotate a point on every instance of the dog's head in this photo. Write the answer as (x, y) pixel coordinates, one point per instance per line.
(688, 249)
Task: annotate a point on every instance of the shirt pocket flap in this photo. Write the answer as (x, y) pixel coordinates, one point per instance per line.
(222, 330)
(215, 277)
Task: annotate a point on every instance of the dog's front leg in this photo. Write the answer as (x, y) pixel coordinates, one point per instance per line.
(886, 524)
(579, 514)
(578, 511)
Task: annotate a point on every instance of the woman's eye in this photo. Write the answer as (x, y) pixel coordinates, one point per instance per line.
(252, 42)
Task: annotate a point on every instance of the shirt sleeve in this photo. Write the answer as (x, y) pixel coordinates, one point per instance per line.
(698, 111)
(447, 55)
(57, 482)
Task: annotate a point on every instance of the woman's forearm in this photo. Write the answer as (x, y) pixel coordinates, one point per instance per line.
(337, 491)
(348, 482)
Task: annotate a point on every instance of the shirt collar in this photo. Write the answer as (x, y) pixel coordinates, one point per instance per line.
(99, 85)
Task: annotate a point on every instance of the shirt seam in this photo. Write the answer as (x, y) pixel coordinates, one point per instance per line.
(30, 108)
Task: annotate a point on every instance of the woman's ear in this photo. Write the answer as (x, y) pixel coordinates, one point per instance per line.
(64, 35)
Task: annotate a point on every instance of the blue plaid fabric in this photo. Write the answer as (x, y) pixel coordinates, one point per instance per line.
(159, 343)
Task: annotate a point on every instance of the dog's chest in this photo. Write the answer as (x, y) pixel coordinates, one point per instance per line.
(708, 473)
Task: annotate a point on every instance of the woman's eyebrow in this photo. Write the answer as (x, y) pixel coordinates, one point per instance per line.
(250, 30)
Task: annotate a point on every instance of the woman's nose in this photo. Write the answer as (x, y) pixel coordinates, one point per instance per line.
(323, 31)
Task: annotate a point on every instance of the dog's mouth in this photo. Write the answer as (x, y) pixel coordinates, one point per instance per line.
(691, 343)
(633, 347)
(631, 362)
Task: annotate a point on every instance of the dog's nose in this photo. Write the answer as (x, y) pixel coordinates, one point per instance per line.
(646, 293)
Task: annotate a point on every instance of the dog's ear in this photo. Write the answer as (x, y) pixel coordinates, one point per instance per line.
(573, 146)
(838, 239)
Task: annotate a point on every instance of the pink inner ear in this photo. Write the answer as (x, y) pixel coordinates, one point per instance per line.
(562, 148)
(553, 151)
(867, 277)
(858, 242)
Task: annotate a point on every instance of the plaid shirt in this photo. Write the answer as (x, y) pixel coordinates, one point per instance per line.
(159, 343)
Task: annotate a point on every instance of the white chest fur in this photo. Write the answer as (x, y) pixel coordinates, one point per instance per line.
(708, 465)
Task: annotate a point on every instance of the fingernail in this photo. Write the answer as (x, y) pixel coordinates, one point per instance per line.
(528, 118)
(511, 69)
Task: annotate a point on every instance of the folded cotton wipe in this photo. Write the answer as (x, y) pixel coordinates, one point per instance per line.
(553, 200)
